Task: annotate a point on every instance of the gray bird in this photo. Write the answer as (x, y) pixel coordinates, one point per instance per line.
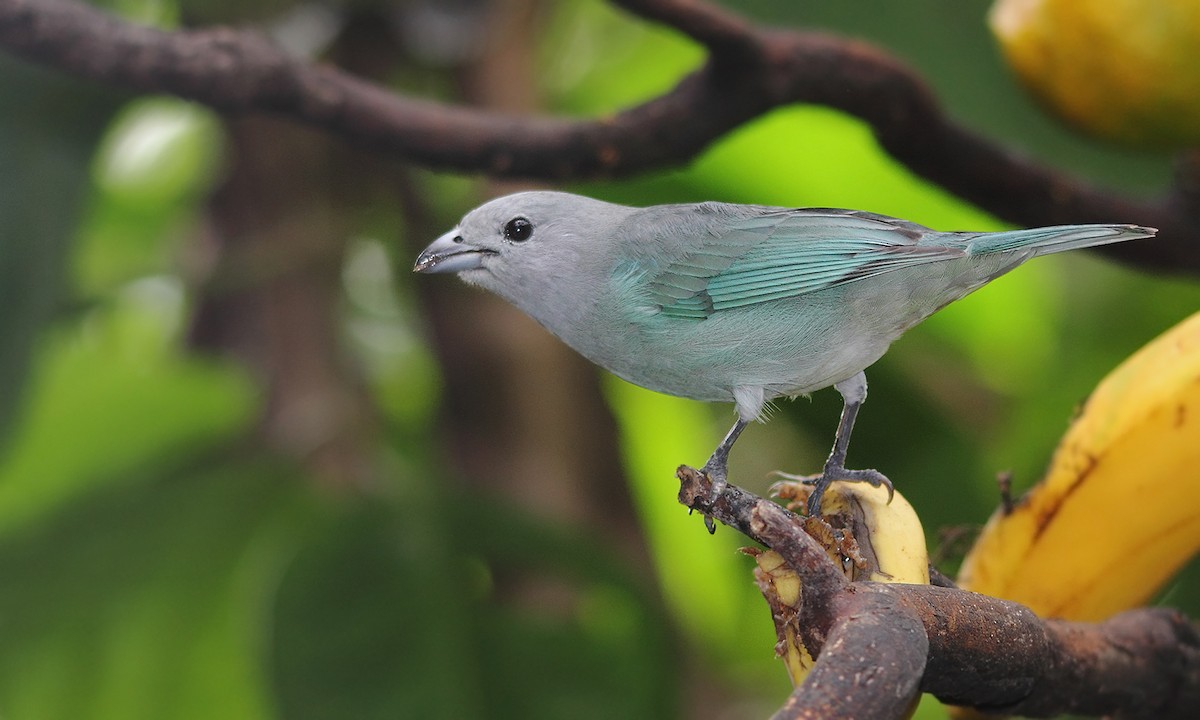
(734, 303)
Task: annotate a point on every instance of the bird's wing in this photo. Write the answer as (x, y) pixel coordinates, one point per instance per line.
(784, 253)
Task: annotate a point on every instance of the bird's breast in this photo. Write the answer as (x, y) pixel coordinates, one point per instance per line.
(786, 348)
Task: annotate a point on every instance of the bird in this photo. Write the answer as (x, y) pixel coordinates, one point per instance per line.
(727, 302)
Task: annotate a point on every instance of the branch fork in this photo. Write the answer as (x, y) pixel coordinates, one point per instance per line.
(965, 648)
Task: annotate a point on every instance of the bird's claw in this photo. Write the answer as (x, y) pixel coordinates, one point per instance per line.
(717, 477)
(832, 473)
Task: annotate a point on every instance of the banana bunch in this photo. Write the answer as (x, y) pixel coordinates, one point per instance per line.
(1117, 513)
(866, 536)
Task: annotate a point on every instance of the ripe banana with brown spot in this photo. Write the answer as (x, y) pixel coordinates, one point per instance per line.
(1117, 513)
(864, 534)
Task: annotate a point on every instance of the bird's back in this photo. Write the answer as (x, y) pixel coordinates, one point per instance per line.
(719, 295)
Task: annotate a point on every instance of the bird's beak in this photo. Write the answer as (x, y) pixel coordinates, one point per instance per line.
(449, 254)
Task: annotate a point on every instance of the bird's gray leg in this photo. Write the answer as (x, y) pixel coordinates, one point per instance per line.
(717, 467)
(854, 393)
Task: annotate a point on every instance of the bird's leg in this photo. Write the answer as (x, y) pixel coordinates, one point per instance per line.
(854, 392)
(717, 467)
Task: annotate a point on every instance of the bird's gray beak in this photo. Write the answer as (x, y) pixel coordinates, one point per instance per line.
(449, 254)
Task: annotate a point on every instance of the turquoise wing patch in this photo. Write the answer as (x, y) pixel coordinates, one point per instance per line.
(783, 254)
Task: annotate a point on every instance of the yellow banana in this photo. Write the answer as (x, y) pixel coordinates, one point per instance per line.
(868, 537)
(1123, 70)
(1116, 514)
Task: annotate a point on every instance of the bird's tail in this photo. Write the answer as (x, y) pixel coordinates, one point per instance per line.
(1047, 240)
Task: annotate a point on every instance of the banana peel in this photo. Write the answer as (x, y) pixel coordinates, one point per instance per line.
(865, 535)
(1117, 513)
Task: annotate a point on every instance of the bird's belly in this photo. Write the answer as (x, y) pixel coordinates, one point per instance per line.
(784, 349)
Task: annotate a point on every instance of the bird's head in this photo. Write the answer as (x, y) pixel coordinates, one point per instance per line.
(526, 243)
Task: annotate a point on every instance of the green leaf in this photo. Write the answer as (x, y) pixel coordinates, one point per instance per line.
(366, 627)
(153, 167)
(109, 394)
(49, 125)
(394, 611)
(148, 600)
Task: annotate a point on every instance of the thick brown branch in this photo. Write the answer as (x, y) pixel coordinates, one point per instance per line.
(750, 71)
(876, 642)
(240, 71)
(870, 665)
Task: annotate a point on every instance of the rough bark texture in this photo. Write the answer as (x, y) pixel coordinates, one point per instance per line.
(877, 643)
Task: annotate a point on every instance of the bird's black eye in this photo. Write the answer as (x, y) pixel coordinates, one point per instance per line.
(518, 230)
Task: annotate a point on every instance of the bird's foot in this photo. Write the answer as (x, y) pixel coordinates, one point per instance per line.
(832, 473)
(719, 479)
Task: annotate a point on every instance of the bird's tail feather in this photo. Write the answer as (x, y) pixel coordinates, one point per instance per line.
(1047, 240)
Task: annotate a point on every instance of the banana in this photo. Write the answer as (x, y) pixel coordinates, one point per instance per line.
(1122, 70)
(1116, 514)
(780, 586)
(864, 534)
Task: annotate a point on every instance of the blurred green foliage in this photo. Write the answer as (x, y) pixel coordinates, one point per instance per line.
(157, 561)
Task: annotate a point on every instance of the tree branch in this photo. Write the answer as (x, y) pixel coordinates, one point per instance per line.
(876, 642)
(750, 71)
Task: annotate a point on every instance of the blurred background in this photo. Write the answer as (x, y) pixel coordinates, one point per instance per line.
(252, 467)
